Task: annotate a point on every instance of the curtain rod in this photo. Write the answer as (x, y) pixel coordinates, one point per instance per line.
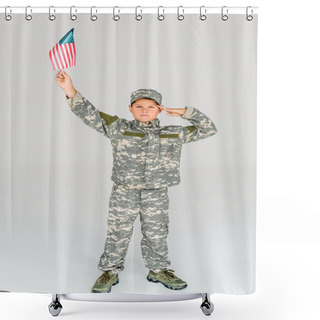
(125, 9)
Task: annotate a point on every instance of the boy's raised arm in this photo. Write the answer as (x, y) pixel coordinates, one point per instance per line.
(82, 107)
(89, 114)
(203, 127)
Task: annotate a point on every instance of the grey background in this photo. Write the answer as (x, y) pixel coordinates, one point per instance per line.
(55, 171)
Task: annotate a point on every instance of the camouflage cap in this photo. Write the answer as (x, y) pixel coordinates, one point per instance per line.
(146, 93)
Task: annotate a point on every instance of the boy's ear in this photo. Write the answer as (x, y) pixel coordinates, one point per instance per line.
(130, 108)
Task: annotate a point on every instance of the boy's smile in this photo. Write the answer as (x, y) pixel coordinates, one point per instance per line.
(145, 110)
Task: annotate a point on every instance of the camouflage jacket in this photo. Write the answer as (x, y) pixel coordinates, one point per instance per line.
(145, 154)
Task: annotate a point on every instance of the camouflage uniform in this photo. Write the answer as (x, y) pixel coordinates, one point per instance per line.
(146, 160)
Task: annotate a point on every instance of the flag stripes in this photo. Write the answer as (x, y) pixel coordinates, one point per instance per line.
(63, 54)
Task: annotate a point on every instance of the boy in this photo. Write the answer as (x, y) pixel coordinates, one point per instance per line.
(146, 161)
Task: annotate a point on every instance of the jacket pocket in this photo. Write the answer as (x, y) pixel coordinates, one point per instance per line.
(133, 134)
(169, 145)
(169, 135)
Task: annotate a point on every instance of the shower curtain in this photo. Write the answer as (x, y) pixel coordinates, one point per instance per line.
(55, 171)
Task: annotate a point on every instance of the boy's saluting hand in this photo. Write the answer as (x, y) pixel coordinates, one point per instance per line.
(175, 112)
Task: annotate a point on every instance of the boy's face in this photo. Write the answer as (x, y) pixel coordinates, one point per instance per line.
(145, 110)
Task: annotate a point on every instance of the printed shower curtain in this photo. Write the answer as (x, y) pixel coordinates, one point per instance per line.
(55, 171)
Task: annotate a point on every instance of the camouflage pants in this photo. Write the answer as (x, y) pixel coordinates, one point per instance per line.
(124, 206)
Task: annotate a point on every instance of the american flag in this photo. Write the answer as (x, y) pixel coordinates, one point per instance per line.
(63, 54)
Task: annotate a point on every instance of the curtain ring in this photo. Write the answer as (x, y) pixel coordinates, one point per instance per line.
(138, 16)
(73, 16)
(51, 16)
(224, 17)
(116, 17)
(203, 16)
(93, 16)
(7, 16)
(180, 16)
(249, 17)
(160, 16)
(28, 16)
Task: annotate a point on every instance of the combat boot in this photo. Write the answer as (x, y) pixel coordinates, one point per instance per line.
(105, 282)
(167, 278)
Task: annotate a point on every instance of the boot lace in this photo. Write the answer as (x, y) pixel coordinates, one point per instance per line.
(104, 278)
(169, 274)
